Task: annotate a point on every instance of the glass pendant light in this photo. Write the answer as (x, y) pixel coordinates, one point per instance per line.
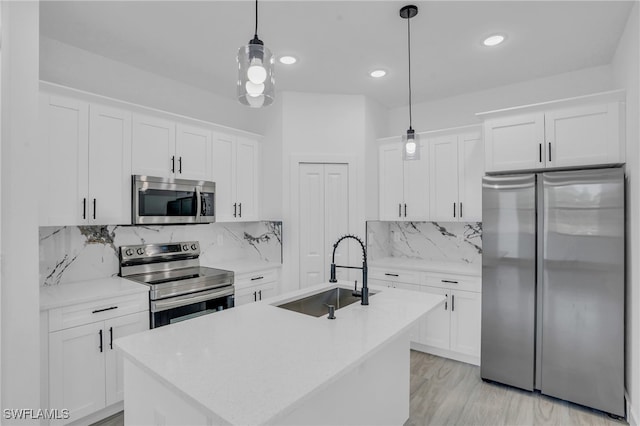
(410, 141)
(256, 85)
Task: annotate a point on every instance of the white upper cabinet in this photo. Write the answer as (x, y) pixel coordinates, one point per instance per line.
(404, 185)
(86, 163)
(456, 169)
(574, 132)
(235, 171)
(168, 149)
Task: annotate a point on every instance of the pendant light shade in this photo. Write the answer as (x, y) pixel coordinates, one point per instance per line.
(256, 84)
(410, 141)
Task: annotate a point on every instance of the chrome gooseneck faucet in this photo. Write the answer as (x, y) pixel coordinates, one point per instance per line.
(364, 294)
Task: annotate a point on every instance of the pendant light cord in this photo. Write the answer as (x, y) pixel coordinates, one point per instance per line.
(409, 48)
(256, 32)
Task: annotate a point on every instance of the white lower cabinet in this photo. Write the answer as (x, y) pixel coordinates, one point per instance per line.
(85, 370)
(452, 329)
(256, 286)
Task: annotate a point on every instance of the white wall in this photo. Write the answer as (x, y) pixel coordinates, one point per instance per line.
(320, 128)
(460, 110)
(70, 66)
(626, 73)
(20, 356)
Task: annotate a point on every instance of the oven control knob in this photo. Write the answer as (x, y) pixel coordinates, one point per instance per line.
(193, 246)
(140, 251)
(128, 252)
(185, 247)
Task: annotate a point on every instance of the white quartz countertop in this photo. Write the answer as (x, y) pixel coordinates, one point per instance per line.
(255, 363)
(57, 296)
(240, 266)
(427, 266)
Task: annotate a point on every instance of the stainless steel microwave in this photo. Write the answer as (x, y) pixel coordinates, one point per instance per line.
(165, 201)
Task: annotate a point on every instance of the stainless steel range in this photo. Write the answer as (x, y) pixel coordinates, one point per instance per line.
(180, 287)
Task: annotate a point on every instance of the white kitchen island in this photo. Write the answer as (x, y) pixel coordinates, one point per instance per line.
(260, 364)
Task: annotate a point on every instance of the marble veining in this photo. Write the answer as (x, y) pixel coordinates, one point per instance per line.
(434, 241)
(75, 253)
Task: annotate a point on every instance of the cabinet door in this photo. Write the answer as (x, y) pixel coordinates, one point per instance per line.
(267, 290)
(64, 158)
(114, 329)
(416, 186)
(470, 172)
(583, 136)
(391, 181)
(223, 174)
(435, 326)
(76, 369)
(153, 147)
(246, 295)
(109, 200)
(247, 172)
(443, 166)
(465, 322)
(514, 143)
(193, 152)
(415, 334)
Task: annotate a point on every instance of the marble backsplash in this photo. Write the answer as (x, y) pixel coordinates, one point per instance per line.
(435, 241)
(74, 253)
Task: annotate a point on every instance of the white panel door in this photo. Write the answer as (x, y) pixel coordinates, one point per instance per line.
(470, 172)
(193, 152)
(312, 225)
(64, 143)
(114, 329)
(76, 369)
(465, 322)
(416, 186)
(109, 166)
(391, 175)
(247, 173)
(223, 174)
(515, 143)
(443, 166)
(153, 147)
(336, 222)
(583, 136)
(435, 326)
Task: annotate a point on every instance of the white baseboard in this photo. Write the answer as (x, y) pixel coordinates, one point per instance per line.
(446, 353)
(632, 416)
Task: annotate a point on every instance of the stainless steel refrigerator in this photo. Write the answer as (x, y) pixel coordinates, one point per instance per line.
(553, 283)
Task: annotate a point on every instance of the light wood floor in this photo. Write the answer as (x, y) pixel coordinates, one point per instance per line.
(446, 392)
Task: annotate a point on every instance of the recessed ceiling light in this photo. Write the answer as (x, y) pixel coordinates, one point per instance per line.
(288, 60)
(378, 73)
(493, 40)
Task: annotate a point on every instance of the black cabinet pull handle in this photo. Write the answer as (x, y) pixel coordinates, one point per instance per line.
(180, 165)
(235, 208)
(540, 152)
(460, 210)
(399, 209)
(94, 208)
(255, 296)
(100, 333)
(173, 164)
(84, 208)
(240, 209)
(111, 337)
(446, 301)
(453, 302)
(549, 151)
(105, 309)
(405, 209)
(454, 209)
(260, 293)
(449, 281)
(391, 275)
(256, 278)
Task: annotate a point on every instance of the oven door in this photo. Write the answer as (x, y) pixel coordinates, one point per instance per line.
(180, 308)
(158, 200)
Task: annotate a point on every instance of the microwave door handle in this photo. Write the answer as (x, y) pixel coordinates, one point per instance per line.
(198, 202)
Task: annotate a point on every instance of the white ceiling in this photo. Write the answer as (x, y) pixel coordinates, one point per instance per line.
(339, 42)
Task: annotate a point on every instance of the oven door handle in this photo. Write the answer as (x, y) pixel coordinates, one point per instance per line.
(187, 299)
(198, 203)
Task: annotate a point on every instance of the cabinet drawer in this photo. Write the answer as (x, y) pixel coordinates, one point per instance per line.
(255, 278)
(395, 275)
(454, 282)
(99, 310)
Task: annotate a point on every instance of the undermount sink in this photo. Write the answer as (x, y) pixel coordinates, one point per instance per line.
(317, 304)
